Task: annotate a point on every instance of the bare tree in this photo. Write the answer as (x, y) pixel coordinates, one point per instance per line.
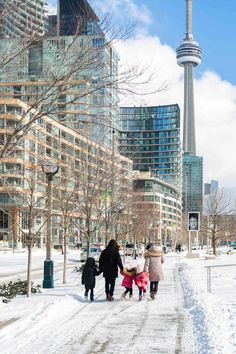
(219, 211)
(92, 183)
(58, 74)
(29, 204)
(66, 206)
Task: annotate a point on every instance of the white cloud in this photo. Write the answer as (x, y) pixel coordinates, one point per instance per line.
(215, 104)
(125, 9)
(51, 8)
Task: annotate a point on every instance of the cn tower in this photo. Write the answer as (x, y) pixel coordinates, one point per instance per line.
(188, 56)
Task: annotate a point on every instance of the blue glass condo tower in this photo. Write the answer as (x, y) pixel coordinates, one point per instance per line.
(150, 136)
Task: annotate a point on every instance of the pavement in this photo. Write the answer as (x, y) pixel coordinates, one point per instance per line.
(154, 326)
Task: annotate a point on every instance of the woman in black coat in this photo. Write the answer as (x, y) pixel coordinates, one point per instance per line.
(88, 277)
(109, 262)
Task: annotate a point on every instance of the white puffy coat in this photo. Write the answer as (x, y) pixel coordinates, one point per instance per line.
(153, 263)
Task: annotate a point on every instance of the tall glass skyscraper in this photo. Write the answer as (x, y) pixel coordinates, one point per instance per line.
(192, 183)
(150, 136)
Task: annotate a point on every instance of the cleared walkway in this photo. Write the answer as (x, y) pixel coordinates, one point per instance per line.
(62, 323)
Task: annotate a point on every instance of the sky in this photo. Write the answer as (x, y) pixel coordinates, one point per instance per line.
(184, 318)
(159, 29)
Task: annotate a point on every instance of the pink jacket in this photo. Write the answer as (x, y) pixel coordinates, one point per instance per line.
(128, 278)
(141, 280)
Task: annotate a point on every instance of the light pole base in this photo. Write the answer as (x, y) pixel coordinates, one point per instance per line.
(48, 275)
(192, 255)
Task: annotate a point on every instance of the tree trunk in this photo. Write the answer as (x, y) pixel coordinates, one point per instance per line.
(65, 261)
(29, 269)
(88, 237)
(214, 243)
(106, 233)
(88, 245)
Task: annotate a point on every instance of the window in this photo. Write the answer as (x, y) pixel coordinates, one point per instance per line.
(98, 42)
(2, 139)
(3, 220)
(4, 198)
(24, 220)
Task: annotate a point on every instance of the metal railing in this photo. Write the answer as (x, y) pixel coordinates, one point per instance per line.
(209, 273)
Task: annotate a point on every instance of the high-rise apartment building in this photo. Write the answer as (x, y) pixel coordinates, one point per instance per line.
(210, 192)
(189, 56)
(23, 18)
(160, 212)
(21, 174)
(211, 188)
(73, 75)
(150, 136)
(66, 83)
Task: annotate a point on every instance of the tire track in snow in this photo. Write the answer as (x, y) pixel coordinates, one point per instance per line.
(88, 340)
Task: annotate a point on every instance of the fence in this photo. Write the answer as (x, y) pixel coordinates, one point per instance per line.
(209, 273)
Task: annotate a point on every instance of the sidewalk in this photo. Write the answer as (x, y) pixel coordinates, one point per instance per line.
(77, 327)
(162, 325)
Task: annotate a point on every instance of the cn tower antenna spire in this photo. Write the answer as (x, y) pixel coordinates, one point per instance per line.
(189, 34)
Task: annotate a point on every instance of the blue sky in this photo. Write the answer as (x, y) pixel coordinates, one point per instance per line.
(160, 26)
(214, 27)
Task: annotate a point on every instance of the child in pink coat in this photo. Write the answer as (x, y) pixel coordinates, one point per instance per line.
(129, 275)
(141, 280)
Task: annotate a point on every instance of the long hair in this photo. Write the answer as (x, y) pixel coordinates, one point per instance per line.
(112, 245)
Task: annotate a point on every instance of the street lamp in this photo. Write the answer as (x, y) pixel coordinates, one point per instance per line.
(50, 169)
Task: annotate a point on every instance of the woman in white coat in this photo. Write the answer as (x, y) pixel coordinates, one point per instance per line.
(153, 265)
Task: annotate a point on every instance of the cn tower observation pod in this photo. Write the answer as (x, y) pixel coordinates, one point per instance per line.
(189, 52)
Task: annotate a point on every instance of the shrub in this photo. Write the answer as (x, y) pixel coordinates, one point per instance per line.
(18, 287)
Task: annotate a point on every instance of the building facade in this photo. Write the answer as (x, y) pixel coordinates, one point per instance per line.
(76, 17)
(192, 183)
(70, 76)
(21, 175)
(161, 208)
(23, 18)
(150, 136)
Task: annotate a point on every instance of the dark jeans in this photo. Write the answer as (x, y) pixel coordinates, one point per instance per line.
(110, 286)
(128, 290)
(141, 291)
(91, 293)
(153, 286)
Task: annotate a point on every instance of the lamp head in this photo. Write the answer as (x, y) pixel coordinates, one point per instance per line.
(50, 169)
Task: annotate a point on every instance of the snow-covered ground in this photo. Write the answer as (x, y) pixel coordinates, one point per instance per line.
(185, 318)
(212, 314)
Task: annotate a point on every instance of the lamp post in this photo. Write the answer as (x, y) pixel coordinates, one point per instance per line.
(50, 169)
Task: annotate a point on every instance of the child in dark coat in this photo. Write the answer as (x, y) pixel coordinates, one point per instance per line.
(88, 277)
